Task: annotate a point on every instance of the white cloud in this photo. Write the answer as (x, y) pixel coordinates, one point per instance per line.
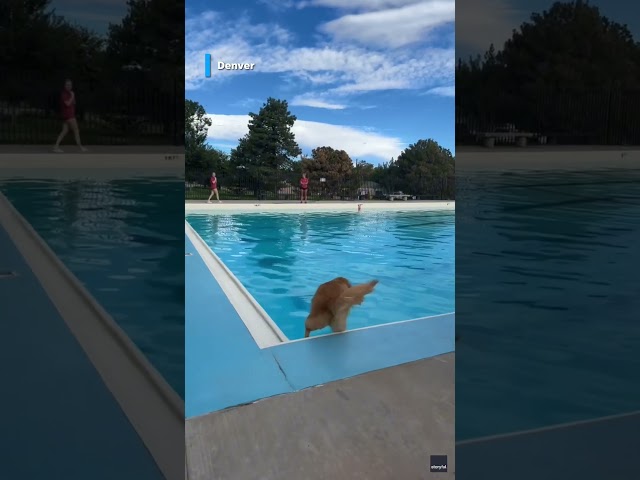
(331, 72)
(446, 91)
(357, 142)
(248, 102)
(310, 101)
(394, 27)
(357, 4)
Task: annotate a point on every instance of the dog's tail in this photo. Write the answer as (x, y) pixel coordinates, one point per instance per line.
(355, 295)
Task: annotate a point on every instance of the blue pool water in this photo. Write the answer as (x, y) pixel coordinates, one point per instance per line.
(281, 258)
(547, 298)
(123, 240)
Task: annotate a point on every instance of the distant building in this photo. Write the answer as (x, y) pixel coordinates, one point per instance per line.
(285, 189)
(368, 189)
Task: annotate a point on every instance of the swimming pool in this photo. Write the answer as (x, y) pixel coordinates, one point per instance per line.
(560, 242)
(281, 258)
(119, 238)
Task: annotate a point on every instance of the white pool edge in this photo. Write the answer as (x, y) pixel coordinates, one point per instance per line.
(147, 401)
(550, 428)
(370, 327)
(262, 328)
(330, 206)
(90, 166)
(478, 160)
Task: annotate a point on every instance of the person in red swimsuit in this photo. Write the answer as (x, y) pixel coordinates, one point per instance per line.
(68, 107)
(213, 185)
(304, 188)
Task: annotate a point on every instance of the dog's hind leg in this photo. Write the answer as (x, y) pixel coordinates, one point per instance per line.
(339, 322)
(316, 322)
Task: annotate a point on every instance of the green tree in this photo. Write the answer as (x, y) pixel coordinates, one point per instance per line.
(334, 165)
(424, 168)
(205, 159)
(571, 44)
(269, 147)
(551, 72)
(41, 50)
(385, 174)
(361, 176)
(145, 52)
(196, 127)
(150, 38)
(218, 161)
(200, 158)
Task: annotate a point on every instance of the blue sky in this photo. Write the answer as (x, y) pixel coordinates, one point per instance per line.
(480, 23)
(366, 76)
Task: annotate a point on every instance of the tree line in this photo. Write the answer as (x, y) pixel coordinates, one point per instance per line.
(135, 70)
(567, 71)
(269, 158)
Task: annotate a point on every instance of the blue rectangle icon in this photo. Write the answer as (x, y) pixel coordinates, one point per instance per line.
(207, 65)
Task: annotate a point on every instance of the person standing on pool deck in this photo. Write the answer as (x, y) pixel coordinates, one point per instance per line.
(213, 184)
(304, 188)
(68, 106)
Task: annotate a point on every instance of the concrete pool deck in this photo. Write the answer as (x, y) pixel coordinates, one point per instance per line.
(234, 206)
(476, 160)
(81, 394)
(382, 425)
(37, 161)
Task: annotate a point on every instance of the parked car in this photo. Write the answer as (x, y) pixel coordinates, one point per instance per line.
(399, 196)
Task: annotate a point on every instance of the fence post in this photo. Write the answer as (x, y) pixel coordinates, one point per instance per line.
(607, 125)
(176, 105)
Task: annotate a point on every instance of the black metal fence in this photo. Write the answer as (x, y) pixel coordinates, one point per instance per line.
(240, 184)
(125, 112)
(607, 116)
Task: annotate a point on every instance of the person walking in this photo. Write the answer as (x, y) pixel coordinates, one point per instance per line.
(69, 122)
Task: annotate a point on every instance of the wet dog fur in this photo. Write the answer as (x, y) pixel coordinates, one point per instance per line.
(332, 303)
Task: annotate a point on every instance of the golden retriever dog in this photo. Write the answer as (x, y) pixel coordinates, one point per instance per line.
(332, 303)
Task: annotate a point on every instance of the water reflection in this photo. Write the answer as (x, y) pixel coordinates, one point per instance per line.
(547, 298)
(122, 240)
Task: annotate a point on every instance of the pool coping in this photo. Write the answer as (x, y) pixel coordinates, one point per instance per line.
(105, 162)
(261, 326)
(317, 206)
(479, 160)
(246, 373)
(561, 446)
(145, 398)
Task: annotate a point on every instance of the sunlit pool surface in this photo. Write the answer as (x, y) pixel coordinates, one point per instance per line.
(547, 299)
(122, 239)
(281, 259)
